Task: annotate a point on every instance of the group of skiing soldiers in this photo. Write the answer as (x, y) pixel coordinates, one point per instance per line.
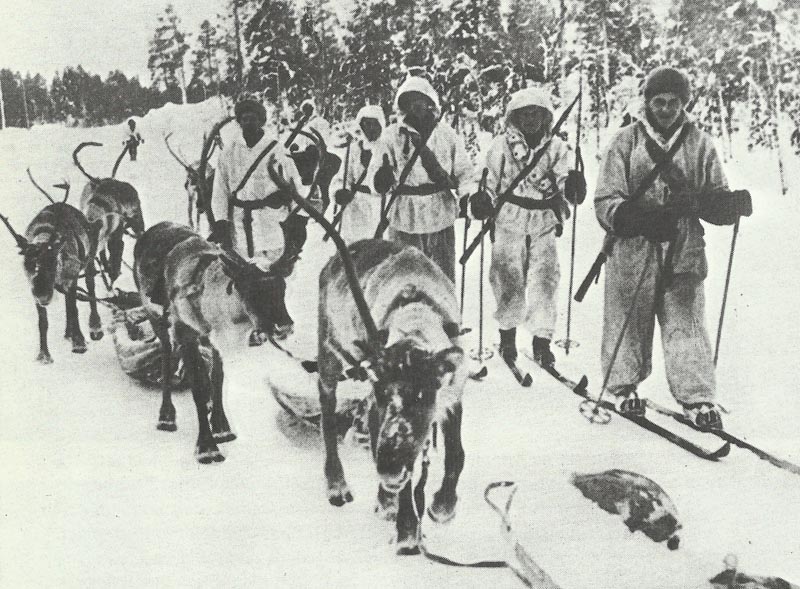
(415, 178)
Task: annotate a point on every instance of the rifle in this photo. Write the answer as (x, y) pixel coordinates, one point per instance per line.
(509, 192)
(608, 242)
(684, 204)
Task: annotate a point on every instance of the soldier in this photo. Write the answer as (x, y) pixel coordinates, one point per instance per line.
(427, 206)
(664, 249)
(525, 273)
(253, 220)
(133, 139)
(361, 210)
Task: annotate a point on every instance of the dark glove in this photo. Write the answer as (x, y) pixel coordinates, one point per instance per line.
(462, 206)
(724, 207)
(481, 205)
(575, 187)
(294, 234)
(278, 199)
(328, 168)
(222, 234)
(366, 156)
(343, 196)
(656, 224)
(306, 163)
(384, 177)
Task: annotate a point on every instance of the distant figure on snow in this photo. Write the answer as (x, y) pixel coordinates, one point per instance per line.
(133, 140)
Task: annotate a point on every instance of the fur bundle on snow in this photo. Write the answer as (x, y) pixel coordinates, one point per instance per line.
(642, 504)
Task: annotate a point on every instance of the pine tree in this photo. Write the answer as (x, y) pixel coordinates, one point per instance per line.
(167, 50)
(205, 65)
(321, 57)
(274, 47)
(372, 63)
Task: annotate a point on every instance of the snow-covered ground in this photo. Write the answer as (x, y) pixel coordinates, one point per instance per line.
(92, 495)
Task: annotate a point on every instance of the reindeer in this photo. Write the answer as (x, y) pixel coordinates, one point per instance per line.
(195, 208)
(207, 297)
(412, 356)
(58, 244)
(116, 206)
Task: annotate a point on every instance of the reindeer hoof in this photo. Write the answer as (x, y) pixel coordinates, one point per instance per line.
(96, 335)
(79, 348)
(442, 510)
(386, 506)
(222, 437)
(339, 494)
(44, 358)
(407, 546)
(166, 425)
(209, 455)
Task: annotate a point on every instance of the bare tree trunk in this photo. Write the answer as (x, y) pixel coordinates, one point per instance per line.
(239, 59)
(25, 103)
(2, 106)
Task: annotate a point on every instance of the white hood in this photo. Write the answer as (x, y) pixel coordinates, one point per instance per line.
(416, 84)
(530, 97)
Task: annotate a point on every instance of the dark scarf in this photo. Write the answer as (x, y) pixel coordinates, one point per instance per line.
(251, 139)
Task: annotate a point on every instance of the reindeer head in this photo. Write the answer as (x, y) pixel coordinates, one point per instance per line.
(262, 292)
(40, 259)
(406, 382)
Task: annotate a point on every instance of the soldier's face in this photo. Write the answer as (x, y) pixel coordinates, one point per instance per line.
(665, 108)
(249, 122)
(530, 119)
(419, 106)
(371, 128)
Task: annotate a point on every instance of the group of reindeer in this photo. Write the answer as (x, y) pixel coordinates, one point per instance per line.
(199, 295)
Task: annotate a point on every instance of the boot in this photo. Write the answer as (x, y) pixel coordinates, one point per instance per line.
(703, 415)
(541, 352)
(508, 344)
(627, 401)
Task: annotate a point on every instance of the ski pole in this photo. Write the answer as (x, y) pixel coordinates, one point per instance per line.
(725, 291)
(628, 315)
(344, 175)
(579, 169)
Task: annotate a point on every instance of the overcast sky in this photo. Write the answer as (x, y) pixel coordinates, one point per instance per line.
(43, 36)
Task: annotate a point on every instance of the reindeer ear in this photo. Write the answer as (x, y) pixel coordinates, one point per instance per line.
(446, 362)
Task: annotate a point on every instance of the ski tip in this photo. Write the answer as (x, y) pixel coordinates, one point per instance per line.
(480, 373)
(724, 451)
(582, 386)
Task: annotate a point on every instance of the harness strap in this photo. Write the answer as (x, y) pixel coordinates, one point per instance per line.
(425, 189)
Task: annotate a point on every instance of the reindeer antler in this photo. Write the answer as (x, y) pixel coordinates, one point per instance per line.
(202, 189)
(21, 241)
(347, 260)
(65, 187)
(189, 169)
(39, 188)
(119, 159)
(91, 178)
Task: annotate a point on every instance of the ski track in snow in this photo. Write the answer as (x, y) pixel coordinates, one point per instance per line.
(92, 495)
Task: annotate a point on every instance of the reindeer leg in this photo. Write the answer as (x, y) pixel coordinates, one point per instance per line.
(115, 248)
(95, 327)
(191, 218)
(220, 428)
(206, 449)
(444, 500)
(329, 370)
(78, 341)
(166, 415)
(407, 524)
(44, 354)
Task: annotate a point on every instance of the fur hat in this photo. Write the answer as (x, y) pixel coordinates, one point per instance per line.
(666, 79)
(253, 106)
